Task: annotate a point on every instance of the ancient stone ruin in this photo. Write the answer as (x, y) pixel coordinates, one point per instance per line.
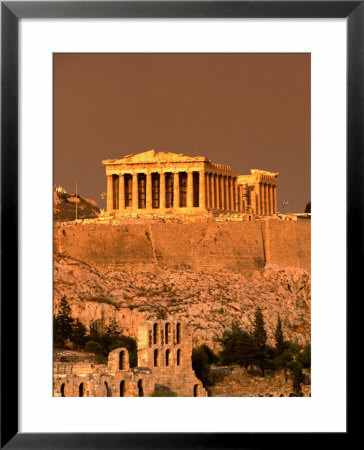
(164, 368)
(170, 183)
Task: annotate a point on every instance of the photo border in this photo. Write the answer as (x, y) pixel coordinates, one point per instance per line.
(11, 12)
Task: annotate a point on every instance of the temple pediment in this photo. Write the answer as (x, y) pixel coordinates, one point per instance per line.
(151, 156)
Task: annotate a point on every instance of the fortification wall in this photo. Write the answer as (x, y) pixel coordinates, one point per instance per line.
(231, 246)
(288, 243)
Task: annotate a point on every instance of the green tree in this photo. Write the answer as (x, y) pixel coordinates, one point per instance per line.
(211, 356)
(304, 357)
(297, 379)
(200, 365)
(259, 333)
(94, 347)
(78, 334)
(237, 347)
(113, 327)
(283, 361)
(279, 337)
(62, 323)
(260, 341)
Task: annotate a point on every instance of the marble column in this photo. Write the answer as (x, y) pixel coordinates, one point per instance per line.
(256, 198)
(217, 191)
(202, 193)
(221, 189)
(148, 193)
(274, 199)
(212, 190)
(236, 201)
(189, 189)
(121, 192)
(207, 188)
(176, 190)
(241, 190)
(162, 190)
(227, 193)
(266, 199)
(270, 200)
(231, 193)
(223, 192)
(261, 199)
(135, 191)
(109, 198)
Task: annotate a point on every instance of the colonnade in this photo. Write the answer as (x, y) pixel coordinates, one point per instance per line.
(179, 189)
(265, 199)
(221, 192)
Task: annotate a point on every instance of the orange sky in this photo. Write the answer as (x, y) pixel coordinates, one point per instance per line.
(246, 110)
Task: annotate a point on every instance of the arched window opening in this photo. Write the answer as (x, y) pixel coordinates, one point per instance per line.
(63, 390)
(155, 333)
(155, 358)
(195, 390)
(122, 360)
(178, 333)
(168, 332)
(140, 388)
(122, 388)
(81, 390)
(167, 357)
(178, 357)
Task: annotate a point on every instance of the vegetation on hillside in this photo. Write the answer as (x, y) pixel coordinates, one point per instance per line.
(64, 208)
(101, 339)
(249, 349)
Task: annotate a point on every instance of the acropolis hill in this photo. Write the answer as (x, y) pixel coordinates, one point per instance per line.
(169, 210)
(186, 239)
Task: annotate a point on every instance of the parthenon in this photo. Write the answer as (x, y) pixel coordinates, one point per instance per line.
(169, 183)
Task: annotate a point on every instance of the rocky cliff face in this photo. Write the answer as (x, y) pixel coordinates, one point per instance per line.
(208, 301)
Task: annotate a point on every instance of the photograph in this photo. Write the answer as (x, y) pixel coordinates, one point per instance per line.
(181, 225)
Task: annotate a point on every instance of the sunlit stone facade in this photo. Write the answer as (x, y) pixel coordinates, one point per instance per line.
(258, 192)
(169, 183)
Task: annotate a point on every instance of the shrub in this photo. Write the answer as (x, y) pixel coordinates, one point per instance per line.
(200, 364)
(237, 347)
(304, 357)
(94, 347)
(211, 356)
(163, 394)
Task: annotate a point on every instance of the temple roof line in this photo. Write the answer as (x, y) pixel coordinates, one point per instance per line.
(264, 172)
(151, 156)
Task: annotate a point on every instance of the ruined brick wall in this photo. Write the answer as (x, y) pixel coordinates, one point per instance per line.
(156, 373)
(231, 246)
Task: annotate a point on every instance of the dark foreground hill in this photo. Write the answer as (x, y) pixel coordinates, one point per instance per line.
(64, 207)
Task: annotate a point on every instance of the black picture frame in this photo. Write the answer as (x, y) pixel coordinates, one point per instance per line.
(11, 12)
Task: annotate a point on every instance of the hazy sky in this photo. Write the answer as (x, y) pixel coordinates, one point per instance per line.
(245, 110)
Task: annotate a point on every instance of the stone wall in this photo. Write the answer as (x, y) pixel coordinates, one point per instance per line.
(155, 375)
(232, 246)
